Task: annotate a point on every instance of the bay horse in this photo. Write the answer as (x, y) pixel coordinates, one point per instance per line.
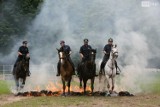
(66, 70)
(109, 72)
(87, 71)
(21, 72)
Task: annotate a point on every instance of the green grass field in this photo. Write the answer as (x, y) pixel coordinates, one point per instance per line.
(151, 99)
(4, 88)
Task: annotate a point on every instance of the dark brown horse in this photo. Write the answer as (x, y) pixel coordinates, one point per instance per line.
(66, 70)
(87, 70)
(21, 72)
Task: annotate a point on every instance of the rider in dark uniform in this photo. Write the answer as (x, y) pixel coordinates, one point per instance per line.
(106, 51)
(84, 54)
(22, 53)
(84, 51)
(67, 50)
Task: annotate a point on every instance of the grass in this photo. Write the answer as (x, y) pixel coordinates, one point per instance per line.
(154, 85)
(141, 100)
(51, 102)
(150, 100)
(4, 88)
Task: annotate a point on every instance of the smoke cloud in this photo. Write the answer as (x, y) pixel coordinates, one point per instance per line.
(135, 29)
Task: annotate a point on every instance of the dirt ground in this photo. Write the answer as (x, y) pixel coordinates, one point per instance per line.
(141, 100)
(5, 99)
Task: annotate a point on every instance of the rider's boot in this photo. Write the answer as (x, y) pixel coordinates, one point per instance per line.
(14, 67)
(95, 70)
(28, 73)
(117, 72)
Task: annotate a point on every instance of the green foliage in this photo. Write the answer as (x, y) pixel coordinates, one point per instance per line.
(15, 16)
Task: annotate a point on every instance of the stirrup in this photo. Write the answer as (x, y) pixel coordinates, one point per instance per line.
(57, 74)
(117, 73)
(28, 74)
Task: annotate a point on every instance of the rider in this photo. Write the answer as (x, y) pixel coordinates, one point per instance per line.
(22, 52)
(84, 53)
(67, 50)
(106, 51)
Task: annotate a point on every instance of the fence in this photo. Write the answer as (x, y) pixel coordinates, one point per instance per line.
(6, 70)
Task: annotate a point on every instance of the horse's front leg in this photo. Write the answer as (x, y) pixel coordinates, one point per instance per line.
(108, 85)
(69, 83)
(64, 87)
(92, 85)
(84, 83)
(16, 83)
(113, 81)
(80, 85)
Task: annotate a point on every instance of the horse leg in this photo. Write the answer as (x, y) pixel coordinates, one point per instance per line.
(64, 87)
(113, 81)
(80, 85)
(108, 85)
(92, 85)
(21, 85)
(69, 83)
(84, 83)
(16, 82)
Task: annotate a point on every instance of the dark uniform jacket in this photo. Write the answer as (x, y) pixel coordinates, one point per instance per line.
(24, 50)
(107, 48)
(85, 50)
(66, 49)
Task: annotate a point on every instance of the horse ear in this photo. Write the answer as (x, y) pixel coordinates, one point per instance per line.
(57, 49)
(95, 50)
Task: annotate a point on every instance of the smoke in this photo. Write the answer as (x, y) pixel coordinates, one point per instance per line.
(135, 29)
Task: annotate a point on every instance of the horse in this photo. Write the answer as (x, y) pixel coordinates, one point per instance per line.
(21, 72)
(109, 72)
(87, 71)
(66, 70)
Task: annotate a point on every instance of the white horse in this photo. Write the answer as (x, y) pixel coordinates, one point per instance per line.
(110, 71)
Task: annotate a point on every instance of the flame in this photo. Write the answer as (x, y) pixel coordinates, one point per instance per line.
(37, 88)
(59, 87)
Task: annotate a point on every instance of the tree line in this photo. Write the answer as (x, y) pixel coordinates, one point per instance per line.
(15, 16)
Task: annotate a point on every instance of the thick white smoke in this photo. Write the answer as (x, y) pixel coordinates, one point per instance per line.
(135, 29)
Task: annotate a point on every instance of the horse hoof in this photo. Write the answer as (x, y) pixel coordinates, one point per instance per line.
(108, 95)
(68, 94)
(63, 95)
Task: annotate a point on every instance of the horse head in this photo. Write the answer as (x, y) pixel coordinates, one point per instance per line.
(92, 55)
(114, 52)
(62, 55)
(25, 63)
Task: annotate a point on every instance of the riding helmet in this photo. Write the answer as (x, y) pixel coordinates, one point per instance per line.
(85, 40)
(62, 41)
(110, 40)
(24, 42)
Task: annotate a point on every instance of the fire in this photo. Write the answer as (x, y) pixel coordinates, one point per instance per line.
(37, 88)
(55, 89)
(59, 87)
